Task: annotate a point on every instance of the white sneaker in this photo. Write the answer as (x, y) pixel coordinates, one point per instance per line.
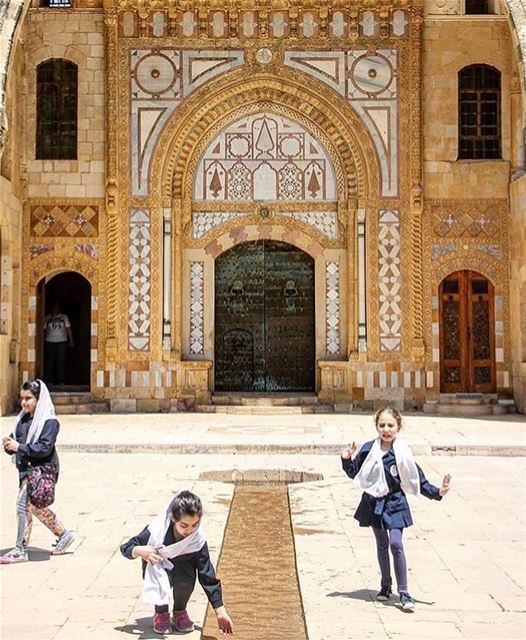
(63, 543)
(15, 555)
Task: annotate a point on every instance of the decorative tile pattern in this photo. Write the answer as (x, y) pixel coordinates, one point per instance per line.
(205, 221)
(390, 312)
(468, 219)
(64, 221)
(367, 79)
(493, 250)
(36, 250)
(439, 250)
(139, 283)
(326, 222)
(197, 317)
(90, 250)
(265, 157)
(250, 24)
(159, 80)
(332, 308)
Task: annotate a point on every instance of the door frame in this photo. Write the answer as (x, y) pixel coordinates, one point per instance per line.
(313, 267)
(466, 360)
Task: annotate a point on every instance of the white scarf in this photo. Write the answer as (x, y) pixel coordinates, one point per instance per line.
(371, 477)
(156, 588)
(45, 410)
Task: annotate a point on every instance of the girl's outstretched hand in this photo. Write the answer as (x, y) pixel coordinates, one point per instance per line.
(348, 451)
(444, 488)
(224, 621)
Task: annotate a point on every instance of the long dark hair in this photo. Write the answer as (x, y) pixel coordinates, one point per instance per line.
(185, 503)
(33, 386)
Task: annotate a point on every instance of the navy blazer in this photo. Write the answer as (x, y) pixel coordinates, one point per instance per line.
(391, 511)
(188, 563)
(39, 452)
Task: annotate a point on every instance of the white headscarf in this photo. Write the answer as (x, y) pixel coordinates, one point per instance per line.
(45, 410)
(156, 588)
(371, 477)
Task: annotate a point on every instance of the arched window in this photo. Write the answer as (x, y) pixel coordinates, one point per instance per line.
(479, 113)
(56, 110)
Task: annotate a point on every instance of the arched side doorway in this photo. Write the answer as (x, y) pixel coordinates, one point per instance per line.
(72, 292)
(467, 336)
(264, 318)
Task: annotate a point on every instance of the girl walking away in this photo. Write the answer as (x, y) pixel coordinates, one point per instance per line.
(174, 550)
(32, 443)
(385, 470)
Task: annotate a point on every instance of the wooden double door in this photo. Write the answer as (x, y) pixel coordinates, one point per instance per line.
(467, 340)
(264, 319)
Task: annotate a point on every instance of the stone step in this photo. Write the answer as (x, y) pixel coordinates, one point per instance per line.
(82, 408)
(455, 409)
(261, 410)
(265, 399)
(70, 398)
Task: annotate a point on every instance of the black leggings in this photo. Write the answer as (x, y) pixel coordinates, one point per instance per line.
(182, 579)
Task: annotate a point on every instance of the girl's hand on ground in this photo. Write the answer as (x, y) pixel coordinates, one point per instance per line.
(348, 451)
(445, 485)
(147, 553)
(224, 621)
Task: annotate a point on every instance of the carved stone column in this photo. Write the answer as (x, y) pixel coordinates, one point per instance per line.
(167, 278)
(112, 202)
(177, 332)
(352, 283)
(416, 202)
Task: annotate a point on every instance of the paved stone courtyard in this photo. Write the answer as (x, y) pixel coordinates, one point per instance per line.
(466, 555)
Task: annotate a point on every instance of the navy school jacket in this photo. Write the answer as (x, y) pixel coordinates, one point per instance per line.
(39, 452)
(391, 511)
(190, 563)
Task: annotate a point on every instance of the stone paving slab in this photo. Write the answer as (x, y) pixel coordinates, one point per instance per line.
(466, 554)
(193, 433)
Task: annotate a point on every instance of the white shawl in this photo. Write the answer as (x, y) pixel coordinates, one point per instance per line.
(156, 588)
(44, 411)
(371, 477)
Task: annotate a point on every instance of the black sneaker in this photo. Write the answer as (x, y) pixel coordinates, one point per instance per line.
(407, 603)
(384, 594)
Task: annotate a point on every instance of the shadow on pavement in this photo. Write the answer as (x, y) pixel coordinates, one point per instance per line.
(143, 630)
(35, 554)
(359, 594)
(369, 594)
(142, 626)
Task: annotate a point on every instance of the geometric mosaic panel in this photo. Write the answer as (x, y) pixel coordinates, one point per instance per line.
(475, 219)
(265, 157)
(139, 280)
(367, 80)
(197, 271)
(64, 221)
(325, 222)
(159, 80)
(389, 282)
(332, 307)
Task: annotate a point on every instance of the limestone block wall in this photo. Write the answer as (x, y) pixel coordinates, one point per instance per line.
(78, 37)
(450, 44)
(518, 289)
(10, 250)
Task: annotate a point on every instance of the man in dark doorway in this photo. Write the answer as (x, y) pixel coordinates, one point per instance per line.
(57, 335)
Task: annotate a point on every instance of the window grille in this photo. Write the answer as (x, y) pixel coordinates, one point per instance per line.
(479, 113)
(56, 110)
